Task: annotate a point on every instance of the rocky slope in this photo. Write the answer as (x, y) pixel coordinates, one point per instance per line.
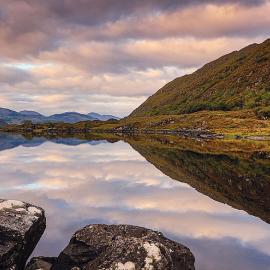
(239, 80)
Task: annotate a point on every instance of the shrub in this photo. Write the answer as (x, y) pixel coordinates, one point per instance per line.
(263, 113)
(208, 106)
(261, 58)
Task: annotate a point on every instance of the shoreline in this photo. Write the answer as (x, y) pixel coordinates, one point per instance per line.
(184, 133)
(203, 125)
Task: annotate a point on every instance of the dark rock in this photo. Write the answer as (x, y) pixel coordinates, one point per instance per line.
(21, 226)
(120, 247)
(41, 263)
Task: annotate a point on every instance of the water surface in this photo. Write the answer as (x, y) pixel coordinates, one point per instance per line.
(80, 182)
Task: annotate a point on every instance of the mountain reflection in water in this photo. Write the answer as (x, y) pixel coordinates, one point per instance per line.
(80, 181)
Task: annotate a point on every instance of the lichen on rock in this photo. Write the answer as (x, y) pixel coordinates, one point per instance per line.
(21, 226)
(119, 247)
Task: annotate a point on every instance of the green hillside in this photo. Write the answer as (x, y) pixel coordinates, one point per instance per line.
(239, 80)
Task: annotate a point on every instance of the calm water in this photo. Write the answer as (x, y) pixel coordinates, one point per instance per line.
(79, 183)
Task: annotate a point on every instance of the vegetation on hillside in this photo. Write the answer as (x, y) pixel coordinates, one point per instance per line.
(55, 129)
(237, 81)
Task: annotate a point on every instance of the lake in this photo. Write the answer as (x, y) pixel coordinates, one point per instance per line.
(217, 204)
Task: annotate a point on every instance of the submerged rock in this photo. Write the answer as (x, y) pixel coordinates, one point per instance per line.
(21, 226)
(118, 247)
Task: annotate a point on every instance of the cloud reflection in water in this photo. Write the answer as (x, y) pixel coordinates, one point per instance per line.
(112, 183)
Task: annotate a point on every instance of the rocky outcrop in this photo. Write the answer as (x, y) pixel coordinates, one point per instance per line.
(21, 226)
(118, 247)
(95, 247)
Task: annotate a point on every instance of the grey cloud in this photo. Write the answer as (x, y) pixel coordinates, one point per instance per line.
(125, 57)
(94, 12)
(12, 76)
(29, 27)
(114, 47)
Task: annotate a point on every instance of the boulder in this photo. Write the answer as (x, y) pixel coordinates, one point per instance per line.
(41, 263)
(21, 226)
(118, 247)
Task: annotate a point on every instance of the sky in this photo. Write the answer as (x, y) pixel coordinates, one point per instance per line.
(108, 56)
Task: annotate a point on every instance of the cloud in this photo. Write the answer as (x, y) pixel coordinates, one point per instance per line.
(11, 76)
(29, 27)
(194, 21)
(100, 57)
(48, 104)
(107, 77)
(53, 52)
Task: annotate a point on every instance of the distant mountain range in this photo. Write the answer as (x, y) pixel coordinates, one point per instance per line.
(12, 117)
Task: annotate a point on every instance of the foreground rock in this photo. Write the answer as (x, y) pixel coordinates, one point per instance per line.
(21, 226)
(118, 247)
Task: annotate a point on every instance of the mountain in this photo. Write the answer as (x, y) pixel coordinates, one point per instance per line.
(236, 81)
(31, 113)
(9, 116)
(70, 117)
(8, 113)
(102, 117)
(12, 117)
(2, 123)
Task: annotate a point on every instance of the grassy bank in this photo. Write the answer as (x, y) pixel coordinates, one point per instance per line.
(231, 124)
